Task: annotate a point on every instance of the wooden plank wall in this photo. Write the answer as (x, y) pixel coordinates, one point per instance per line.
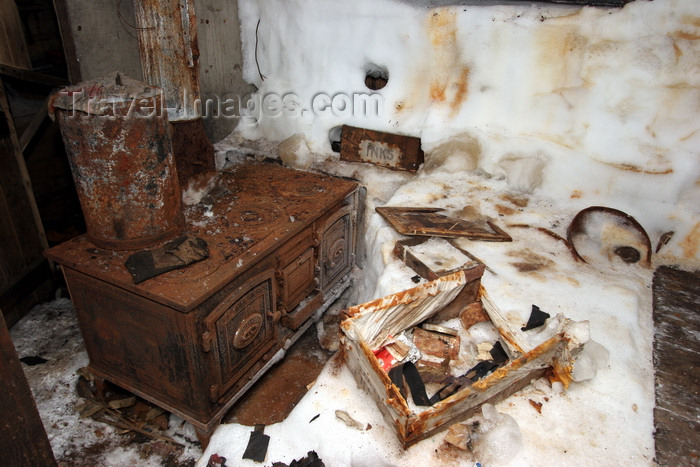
(25, 277)
(104, 37)
(13, 46)
(220, 59)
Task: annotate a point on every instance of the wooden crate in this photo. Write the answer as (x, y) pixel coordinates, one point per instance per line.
(367, 325)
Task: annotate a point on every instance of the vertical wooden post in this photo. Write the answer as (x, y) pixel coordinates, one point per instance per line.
(69, 51)
(169, 53)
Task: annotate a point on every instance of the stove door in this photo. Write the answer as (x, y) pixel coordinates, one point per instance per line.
(297, 280)
(241, 329)
(296, 263)
(336, 247)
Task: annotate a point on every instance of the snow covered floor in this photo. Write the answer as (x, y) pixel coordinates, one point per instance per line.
(607, 420)
(51, 331)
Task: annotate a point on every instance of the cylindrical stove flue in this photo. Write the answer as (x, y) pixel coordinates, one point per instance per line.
(118, 143)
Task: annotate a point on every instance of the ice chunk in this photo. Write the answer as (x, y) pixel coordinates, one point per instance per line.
(295, 153)
(494, 438)
(592, 358)
(457, 153)
(523, 173)
(500, 438)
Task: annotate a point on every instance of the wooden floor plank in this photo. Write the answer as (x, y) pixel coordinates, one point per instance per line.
(677, 366)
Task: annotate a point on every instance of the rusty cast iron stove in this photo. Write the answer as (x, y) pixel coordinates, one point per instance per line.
(193, 340)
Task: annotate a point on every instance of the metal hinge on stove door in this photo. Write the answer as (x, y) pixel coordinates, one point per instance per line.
(214, 393)
(207, 339)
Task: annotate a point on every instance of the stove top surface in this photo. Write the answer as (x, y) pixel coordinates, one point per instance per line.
(254, 208)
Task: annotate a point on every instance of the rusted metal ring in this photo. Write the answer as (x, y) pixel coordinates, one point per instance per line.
(577, 227)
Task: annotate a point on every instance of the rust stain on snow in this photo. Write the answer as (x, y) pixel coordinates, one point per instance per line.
(442, 31)
(692, 20)
(688, 36)
(442, 27)
(505, 210)
(691, 243)
(637, 169)
(562, 373)
(442, 77)
(685, 36)
(688, 136)
(519, 200)
(462, 89)
(677, 50)
(560, 52)
(450, 78)
(437, 91)
(531, 261)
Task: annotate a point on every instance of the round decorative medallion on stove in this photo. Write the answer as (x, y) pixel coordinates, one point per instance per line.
(248, 330)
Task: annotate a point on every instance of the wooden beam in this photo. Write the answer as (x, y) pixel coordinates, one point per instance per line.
(69, 50)
(33, 76)
(22, 168)
(169, 49)
(23, 440)
(34, 125)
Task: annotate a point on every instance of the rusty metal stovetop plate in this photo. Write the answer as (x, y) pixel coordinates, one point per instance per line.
(264, 206)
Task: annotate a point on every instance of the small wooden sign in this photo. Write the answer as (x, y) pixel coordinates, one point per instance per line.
(389, 150)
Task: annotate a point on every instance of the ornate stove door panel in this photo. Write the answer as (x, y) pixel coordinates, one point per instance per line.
(336, 247)
(240, 330)
(296, 263)
(297, 280)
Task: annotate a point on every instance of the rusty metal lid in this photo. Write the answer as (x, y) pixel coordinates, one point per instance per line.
(112, 94)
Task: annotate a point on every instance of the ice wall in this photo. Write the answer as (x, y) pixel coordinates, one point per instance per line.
(586, 105)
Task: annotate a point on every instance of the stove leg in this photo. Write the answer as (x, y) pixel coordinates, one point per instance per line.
(99, 388)
(203, 436)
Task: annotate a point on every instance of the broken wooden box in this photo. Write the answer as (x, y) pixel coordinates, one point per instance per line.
(433, 257)
(549, 351)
